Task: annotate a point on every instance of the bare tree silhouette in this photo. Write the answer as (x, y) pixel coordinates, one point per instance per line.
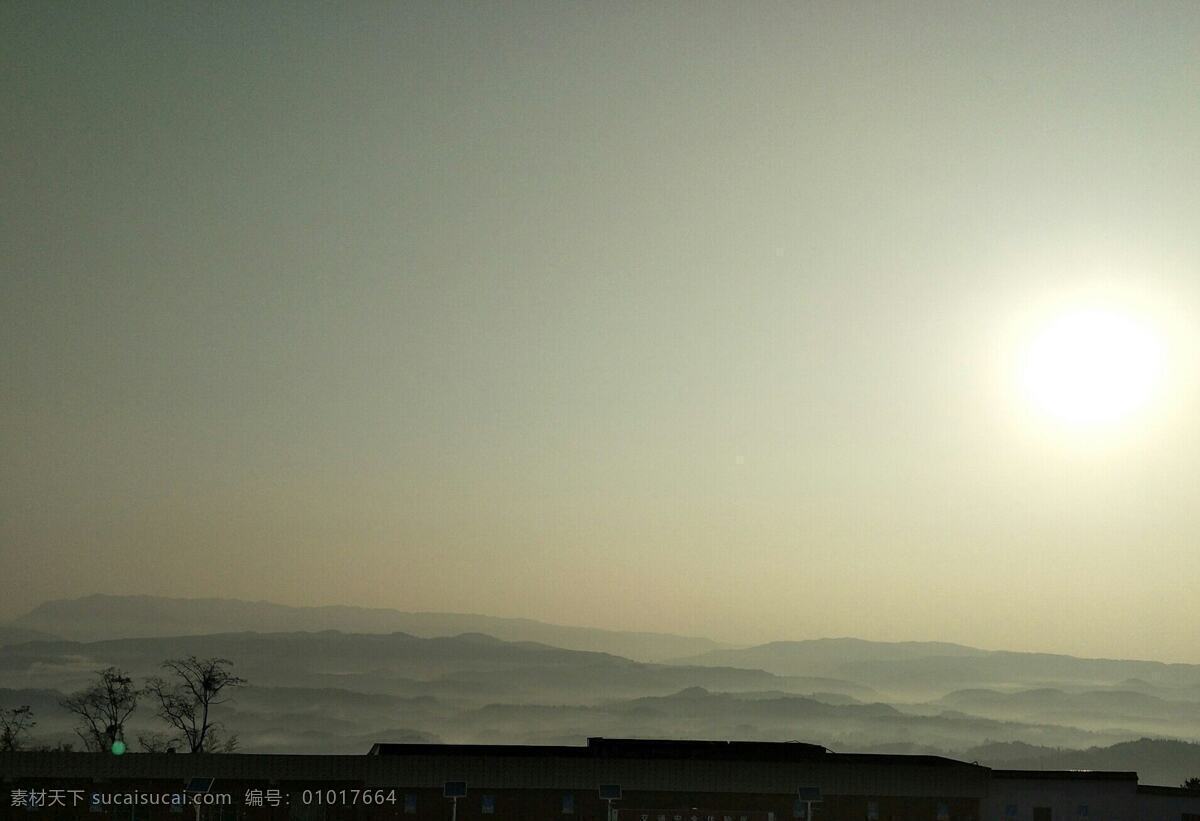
(15, 724)
(103, 708)
(186, 701)
(155, 742)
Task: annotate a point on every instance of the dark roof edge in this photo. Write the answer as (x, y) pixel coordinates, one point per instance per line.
(679, 749)
(1068, 775)
(1182, 792)
(403, 748)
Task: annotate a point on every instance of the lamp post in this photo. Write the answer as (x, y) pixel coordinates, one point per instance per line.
(196, 787)
(810, 796)
(454, 790)
(610, 793)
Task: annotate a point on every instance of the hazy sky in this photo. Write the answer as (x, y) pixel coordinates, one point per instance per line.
(686, 317)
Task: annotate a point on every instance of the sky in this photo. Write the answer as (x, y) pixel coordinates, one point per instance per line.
(703, 318)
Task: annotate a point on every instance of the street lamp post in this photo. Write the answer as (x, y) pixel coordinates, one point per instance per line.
(810, 796)
(610, 793)
(454, 790)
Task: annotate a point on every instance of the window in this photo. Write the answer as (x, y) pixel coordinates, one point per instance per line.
(872, 811)
(1010, 810)
(943, 811)
(1082, 810)
(489, 804)
(410, 803)
(798, 809)
(568, 803)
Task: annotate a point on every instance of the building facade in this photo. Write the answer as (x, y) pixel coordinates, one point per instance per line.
(606, 780)
(1084, 795)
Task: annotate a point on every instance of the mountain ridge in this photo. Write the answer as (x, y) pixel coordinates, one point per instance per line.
(101, 616)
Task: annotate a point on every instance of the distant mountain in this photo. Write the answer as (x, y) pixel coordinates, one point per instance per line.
(824, 657)
(931, 669)
(335, 691)
(332, 690)
(1106, 702)
(1091, 709)
(696, 712)
(1002, 669)
(12, 634)
(1156, 761)
(42, 702)
(315, 688)
(470, 666)
(100, 617)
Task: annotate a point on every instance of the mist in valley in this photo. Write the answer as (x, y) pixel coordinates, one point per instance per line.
(337, 687)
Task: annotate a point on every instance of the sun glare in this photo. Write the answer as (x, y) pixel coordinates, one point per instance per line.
(1092, 367)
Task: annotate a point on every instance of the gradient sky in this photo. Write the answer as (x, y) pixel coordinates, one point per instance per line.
(684, 317)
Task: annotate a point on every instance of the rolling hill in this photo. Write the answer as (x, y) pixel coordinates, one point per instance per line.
(100, 617)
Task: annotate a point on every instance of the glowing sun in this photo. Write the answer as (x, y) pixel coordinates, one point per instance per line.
(1092, 367)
